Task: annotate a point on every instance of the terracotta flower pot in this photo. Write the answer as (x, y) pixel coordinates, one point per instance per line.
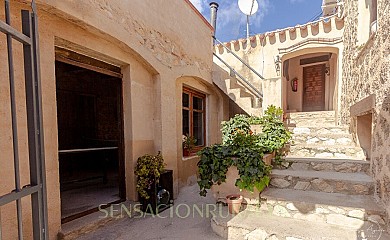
(186, 152)
(234, 203)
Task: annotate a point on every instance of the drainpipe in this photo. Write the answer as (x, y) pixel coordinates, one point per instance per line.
(213, 15)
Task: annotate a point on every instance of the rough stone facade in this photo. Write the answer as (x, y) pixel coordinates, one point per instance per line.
(366, 72)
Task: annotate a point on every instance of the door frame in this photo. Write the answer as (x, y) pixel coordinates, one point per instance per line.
(83, 61)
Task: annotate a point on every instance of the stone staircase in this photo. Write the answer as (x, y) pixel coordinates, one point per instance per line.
(236, 91)
(323, 195)
(316, 135)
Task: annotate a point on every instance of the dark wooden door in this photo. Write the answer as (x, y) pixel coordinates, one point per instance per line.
(314, 88)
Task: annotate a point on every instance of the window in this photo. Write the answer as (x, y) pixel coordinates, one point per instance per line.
(367, 20)
(194, 115)
(373, 17)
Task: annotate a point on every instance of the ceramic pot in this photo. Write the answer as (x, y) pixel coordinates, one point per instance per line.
(234, 203)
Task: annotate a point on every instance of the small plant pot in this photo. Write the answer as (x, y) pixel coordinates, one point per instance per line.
(234, 203)
(186, 152)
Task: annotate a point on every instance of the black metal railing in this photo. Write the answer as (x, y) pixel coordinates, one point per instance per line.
(36, 188)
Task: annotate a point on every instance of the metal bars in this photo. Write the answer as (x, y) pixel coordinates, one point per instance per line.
(240, 59)
(245, 82)
(14, 122)
(36, 189)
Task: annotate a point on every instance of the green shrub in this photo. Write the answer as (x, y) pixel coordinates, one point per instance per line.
(245, 150)
(148, 170)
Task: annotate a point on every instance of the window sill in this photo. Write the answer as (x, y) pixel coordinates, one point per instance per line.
(191, 157)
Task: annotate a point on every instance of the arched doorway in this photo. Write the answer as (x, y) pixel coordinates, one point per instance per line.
(310, 79)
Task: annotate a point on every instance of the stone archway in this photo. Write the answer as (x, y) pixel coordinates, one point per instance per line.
(310, 79)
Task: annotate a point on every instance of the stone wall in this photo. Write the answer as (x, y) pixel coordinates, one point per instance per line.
(366, 74)
(154, 51)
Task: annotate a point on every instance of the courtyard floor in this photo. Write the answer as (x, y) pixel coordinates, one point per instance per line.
(182, 221)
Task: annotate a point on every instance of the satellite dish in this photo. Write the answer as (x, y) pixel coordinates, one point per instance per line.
(248, 7)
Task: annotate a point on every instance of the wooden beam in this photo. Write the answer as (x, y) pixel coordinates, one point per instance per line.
(88, 66)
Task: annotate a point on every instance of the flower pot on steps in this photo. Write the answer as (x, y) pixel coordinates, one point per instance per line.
(234, 203)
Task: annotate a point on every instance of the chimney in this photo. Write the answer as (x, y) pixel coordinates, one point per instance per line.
(213, 15)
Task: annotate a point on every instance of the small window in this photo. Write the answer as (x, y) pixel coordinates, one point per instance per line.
(367, 20)
(373, 17)
(194, 115)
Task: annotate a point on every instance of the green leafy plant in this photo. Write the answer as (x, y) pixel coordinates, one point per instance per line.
(213, 165)
(245, 150)
(216, 160)
(274, 134)
(239, 124)
(189, 142)
(148, 170)
(253, 172)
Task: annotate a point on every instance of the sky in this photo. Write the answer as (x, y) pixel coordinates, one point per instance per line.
(272, 15)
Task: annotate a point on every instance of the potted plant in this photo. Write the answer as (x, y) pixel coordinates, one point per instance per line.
(234, 203)
(188, 144)
(148, 171)
(239, 160)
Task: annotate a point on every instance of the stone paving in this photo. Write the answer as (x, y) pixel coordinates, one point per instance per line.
(172, 223)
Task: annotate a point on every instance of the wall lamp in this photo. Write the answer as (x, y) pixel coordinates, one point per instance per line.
(277, 62)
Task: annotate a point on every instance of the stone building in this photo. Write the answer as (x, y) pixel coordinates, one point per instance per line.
(365, 101)
(331, 77)
(119, 79)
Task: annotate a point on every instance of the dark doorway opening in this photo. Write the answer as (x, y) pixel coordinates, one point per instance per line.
(364, 133)
(90, 136)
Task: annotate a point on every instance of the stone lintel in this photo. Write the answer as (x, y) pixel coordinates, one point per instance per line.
(364, 106)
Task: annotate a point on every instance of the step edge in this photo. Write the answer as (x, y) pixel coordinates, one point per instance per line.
(334, 175)
(331, 158)
(330, 146)
(327, 160)
(376, 208)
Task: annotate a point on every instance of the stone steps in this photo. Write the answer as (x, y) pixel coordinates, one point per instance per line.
(322, 207)
(318, 129)
(330, 165)
(252, 225)
(309, 121)
(303, 119)
(326, 151)
(236, 91)
(326, 193)
(292, 124)
(323, 139)
(346, 183)
(315, 114)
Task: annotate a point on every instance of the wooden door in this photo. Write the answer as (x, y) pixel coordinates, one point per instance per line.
(314, 88)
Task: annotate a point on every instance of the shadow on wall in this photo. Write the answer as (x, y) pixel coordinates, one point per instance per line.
(381, 149)
(384, 124)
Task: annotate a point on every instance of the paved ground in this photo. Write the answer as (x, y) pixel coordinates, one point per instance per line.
(183, 221)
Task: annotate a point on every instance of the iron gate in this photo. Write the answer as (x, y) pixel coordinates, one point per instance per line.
(36, 189)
